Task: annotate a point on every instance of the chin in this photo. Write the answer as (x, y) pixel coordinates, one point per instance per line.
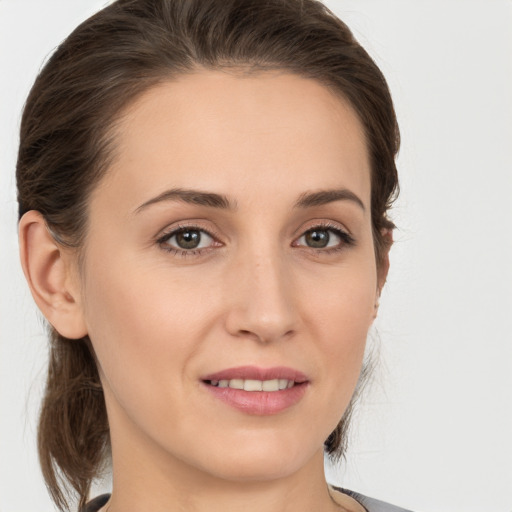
(261, 470)
(262, 458)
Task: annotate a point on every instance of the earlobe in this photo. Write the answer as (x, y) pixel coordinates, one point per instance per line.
(48, 269)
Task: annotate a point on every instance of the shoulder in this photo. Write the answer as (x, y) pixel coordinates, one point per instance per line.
(371, 504)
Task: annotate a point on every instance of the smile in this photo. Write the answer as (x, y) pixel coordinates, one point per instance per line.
(258, 391)
(254, 385)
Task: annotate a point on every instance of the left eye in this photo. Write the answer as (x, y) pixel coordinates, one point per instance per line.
(322, 238)
(187, 239)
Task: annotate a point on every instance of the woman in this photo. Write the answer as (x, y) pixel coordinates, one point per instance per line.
(203, 192)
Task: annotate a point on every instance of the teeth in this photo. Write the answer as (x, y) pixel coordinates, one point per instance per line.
(236, 383)
(270, 385)
(254, 385)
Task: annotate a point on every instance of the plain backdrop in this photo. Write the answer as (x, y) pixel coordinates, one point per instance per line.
(434, 432)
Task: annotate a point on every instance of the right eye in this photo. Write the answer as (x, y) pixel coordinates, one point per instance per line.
(186, 240)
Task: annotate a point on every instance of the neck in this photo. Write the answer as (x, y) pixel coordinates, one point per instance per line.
(147, 481)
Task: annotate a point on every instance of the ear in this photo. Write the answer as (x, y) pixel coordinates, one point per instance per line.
(383, 266)
(51, 275)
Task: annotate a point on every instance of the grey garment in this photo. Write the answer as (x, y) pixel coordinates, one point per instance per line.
(371, 504)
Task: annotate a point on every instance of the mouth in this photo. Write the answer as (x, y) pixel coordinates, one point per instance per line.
(258, 391)
(254, 385)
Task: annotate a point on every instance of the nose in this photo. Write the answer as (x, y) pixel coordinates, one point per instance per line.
(262, 300)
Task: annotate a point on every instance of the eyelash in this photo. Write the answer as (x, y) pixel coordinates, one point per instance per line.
(183, 253)
(346, 240)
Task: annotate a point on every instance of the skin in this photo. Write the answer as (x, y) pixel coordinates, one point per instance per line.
(256, 293)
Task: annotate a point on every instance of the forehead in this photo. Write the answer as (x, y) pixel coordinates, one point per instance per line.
(239, 134)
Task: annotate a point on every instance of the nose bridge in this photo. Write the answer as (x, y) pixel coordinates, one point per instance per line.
(262, 288)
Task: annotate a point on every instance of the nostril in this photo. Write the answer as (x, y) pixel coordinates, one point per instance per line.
(264, 337)
(246, 333)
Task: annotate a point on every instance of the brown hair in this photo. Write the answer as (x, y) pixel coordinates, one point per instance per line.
(66, 146)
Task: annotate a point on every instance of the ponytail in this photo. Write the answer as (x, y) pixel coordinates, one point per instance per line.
(73, 434)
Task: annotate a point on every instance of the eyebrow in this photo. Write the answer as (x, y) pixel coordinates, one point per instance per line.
(311, 199)
(213, 200)
(196, 197)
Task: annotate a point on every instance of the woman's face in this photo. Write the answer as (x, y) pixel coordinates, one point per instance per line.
(230, 244)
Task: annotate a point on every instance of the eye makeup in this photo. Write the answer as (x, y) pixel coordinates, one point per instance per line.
(319, 236)
(188, 240)
(191, 238)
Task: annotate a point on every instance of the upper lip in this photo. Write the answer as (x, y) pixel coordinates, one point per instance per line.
(257, 373)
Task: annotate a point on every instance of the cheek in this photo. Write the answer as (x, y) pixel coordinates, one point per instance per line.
(145, 325)
(132, 330)
(340, 303)
(338, 316)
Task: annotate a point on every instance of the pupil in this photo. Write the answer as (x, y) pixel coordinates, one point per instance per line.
(317, 238)
(188, 239)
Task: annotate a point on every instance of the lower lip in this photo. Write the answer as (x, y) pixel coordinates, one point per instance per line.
(260, 403)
